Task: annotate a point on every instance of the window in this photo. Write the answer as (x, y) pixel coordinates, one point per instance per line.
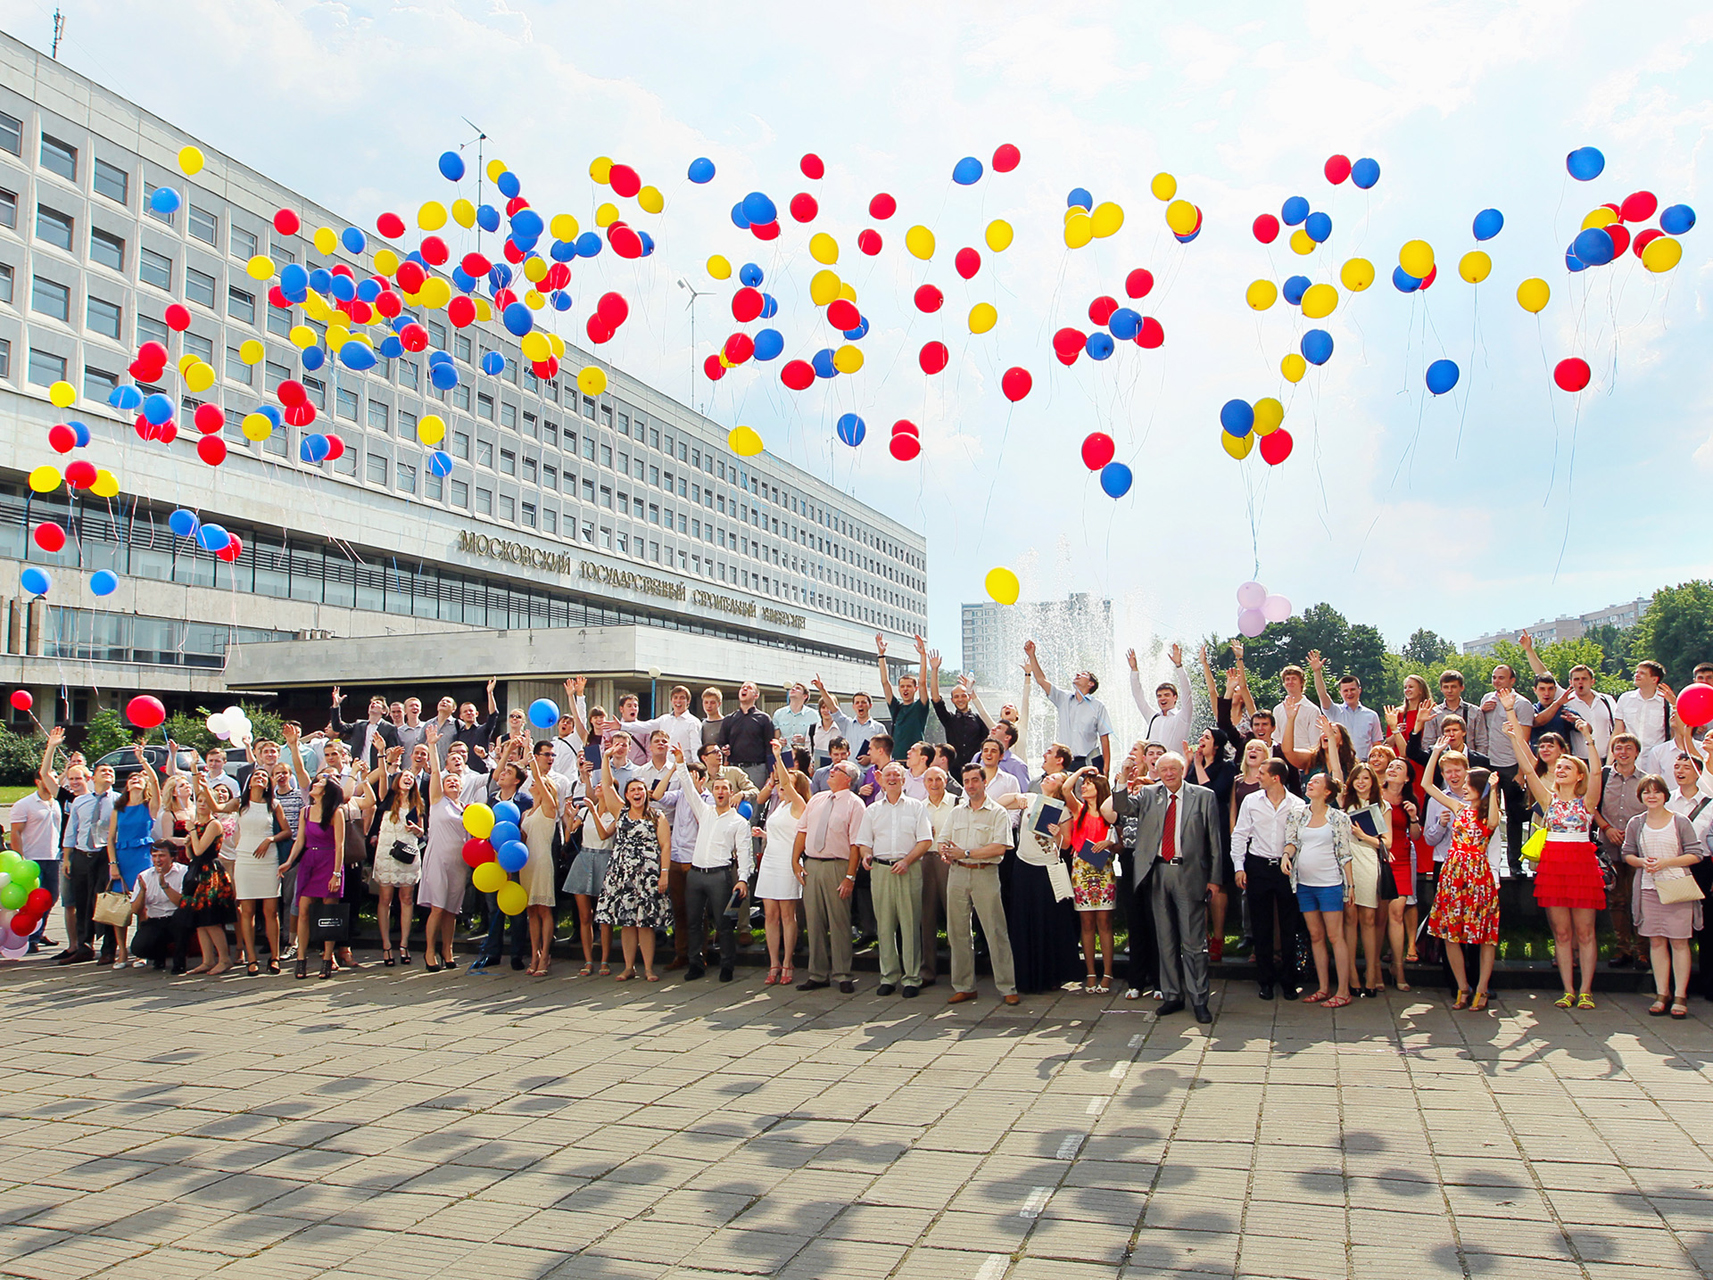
(588, 408)
(589, 448)
(461, 347)
(375, 468)
(550, 477)
(346, 463)
(98, 384)
(46, 368)
(528, 514)
(279, 321)
(408, 374)
(317, 391)
(244, 244)
(112, 181)
(484, 453)
(484, 501)
(461, 396)
(460, 494)
(5, 283)
(5, 357)
(241, 305)
(199, 287)
(59, 157)
(461, 445)
(51, 298)
(154, 268)
(204, 225)
(529, 470)
(377, 416)
(406, 478)
(53, 227)
(150, 329)
(148, 206)
(588, 491)
(407, 425)
(550, 520)
(624, 463)
(200, 347)
(508, 416)
(345, 405)
(606, 497)
(624, 422)
(236, 369)
(11, 134)
(103, 317)
(107, 249)
(275, 374)
(485, 407)
(607, 456)
(9, 210)
(528, 423)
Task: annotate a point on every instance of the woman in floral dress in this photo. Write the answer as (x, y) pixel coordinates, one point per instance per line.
(1466, 904)
(633, 895)
(1093, 884)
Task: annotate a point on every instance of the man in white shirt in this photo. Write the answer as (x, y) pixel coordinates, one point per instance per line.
(1646, 710)
(855, 730)
(895, 833)
(89, 866)
(795, 722)
(1305, 712)
(683, 776)
(917, 761)
(972, 843)
(658, 766)
(1257, 843)
(722, 843)
(1361, 723)
(682, 729)
(162, 929)
(1084, 725)
(1169, 725)
(939, 804)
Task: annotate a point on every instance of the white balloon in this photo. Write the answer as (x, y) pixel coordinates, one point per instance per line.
(217, 724)
(1275, 608)
(233, 713)
(1251, 623)
(1250, 595)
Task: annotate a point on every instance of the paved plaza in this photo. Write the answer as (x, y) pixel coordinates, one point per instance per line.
(401, 1124)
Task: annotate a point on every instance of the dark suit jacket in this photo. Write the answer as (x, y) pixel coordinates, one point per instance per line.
(353, 734)
(1198, 828)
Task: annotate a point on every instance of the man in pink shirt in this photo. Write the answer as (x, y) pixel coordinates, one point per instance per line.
(825, 859)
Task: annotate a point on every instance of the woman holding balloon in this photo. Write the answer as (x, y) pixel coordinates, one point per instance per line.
(445, 874)
(536, 876)
(131, 834)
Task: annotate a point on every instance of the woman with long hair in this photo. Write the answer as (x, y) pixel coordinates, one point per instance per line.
(398, 854)
(589, 871)
(1094, 886)
(540, 821)
(1662, 846)
(1317, 856)
(1466, 907)
(208, 884)
(131, 838)
(320, 839)
(445, 874)
(1368, 887)
(775, 884)
(1212, 765)
(256, 868)
(177, 815)
(634, 894)
(1403, 826)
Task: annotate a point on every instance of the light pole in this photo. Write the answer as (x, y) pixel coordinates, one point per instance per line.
(653, 692)
(694, 294)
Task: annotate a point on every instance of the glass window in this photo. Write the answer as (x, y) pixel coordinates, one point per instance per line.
(199, 287)
(607, 415)
(484, 453)
(589, 408)
(112, 181)
(433, 486)
(624, 422)
(607, 455)
(53, 227)
(508, 508)
(407, 425)
(5, 283)
(528, 423)
(204, 225)
(59, 157)
(154, 268)
(11, 134)
(460, 494)
(588, 491)
(345, 405)
(624, 463)
(407, 373)
(46, 368)
(528, 514)
(150, 329)
(346, 463)
(461, 397)
(461, 347)
(484, 501)
(107, 249)
(377, 416)
(549, 477)
(241, 305)
(375, 467)
(275, 374)
(550, 520)
(51, 298)
(244, 244)
(98, 384)
(485, 407)
(103, 317)
(461, 445)
(5, 357)
(508, 462)
(9, 210)
(407, 477)
(606, 497)
(529, 470)
(279, 321)
(236, 369)
(589, 448)
(200, 347)
(508, 416)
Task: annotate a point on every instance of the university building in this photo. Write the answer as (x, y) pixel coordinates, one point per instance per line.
(615, 536)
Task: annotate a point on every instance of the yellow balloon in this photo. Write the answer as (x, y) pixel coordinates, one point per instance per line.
(185, 362)
(1416, 258)
(463, 213)
(1108, 218)
(606, 215)
(432, 215)
(337, 336)
(999, 235)
(1532, 294)
(199, 377)
(62, 395)
(535, 300)
(490, 876)
(1293, 367)
(724, 362)
(1319, 301)
(435, 293)
(847, 291)
(190, 160)
(983, 317)
(484, 310)
(325, 240)
(107, 484)
(920, 241)
(386, 261)
(719, 267)
(1601, 217)
(497, 167)
(513, 898)
(1662, 254)
(848, 358)
(1474, 266)
(1237, 446)
(1269, 413)
(1079, 230)
(744, 441)
(1164, 186)
(316, 308)
(257, 427)
(600, 169)
(823, 248)
(592, 380)
(823, 287)
(535, 268)
(650, 200)
(431, 428)
(564, 227)
(555, 344)
(1357, 274)
(479, 822)
(251, 352)
(260, 267)
(1302, 242)
(1002, 586)
(1181, 217)
(1261, 294)
(44, 479)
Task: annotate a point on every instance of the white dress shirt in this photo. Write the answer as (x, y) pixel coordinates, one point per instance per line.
(1306, 735)
(1171, 729)
(720, 837)
(152, 897)
(683, 732)
(915, 785)
(1647, 718)
(892, 830)
(1260, 828)
(1361, 723)
(1082, 721)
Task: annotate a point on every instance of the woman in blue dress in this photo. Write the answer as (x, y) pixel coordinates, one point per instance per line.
(131, 835)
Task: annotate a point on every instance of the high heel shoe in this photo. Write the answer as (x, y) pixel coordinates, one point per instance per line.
(772, 978)
(1479, 1002)
(326, 969)
(387, 960)
(303, 968)
(404, 957)
(1462, 1001)
(787, 976)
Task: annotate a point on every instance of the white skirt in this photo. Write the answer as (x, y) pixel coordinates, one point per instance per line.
(775, 879)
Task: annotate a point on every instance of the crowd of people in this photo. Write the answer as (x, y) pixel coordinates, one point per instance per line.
(1329, 829)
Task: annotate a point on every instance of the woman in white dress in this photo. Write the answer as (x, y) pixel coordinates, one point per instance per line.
(256, 868)
(445, 874)
(540, 821)
(398, 855)
(775, 883)
(589, 871)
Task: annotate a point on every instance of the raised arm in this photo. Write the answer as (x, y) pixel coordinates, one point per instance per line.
(1592, 799)
(1207, 677)
(934, 676)
(1317, 665)
(291, 733)
(1035, 669)
(1144, 703)
(493, 707)
(432, 738)
(1450, 801)
(1527, 642)
(1537, 786)
(885, 676)
(921, 669)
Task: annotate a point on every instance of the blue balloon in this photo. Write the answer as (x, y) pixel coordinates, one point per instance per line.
(852, 429)
(212, 537)
(739, 219)
(861, 331)
(1099, 345)
(560, 299)
(36, 581)
(1295, 288)
(440, 463)
(1237, 417)
(183, 523)
(509, 185)
(1404, 281)
(1488, 223)
(321, 279)
(1124, 324)
(438, 357)
(499, 276)
(1115, 479)
(526, 223)
(746, 809)
(1317, 346)
(80, 432)
(1191, 236)
(505, 810)
(701, 170)
(967, 172)
(823, 363)
(503, 834)
(512, 855)
(368, 290)
(1585, 163)
(1365, 173)
(1441, 376)
(750, 274)
(588, 245)
(444, 376)
(1319, 227)
(353, 239)
(293, 278)
(1594, 246)
(392, 348)
(164, 200)
(125, 397)
(770, 308)
(563, 250)
(488, 218)
(158, 408)
(451, 166)
(493, 363)
(1675, 219)
(759, 209)
(313, 358)
(1293, 211)
(1079, 198)
(543, 713)
(313, 447)
(1572, 262)
(647, 242)
(768, 344)
(273, 415)
(355, 355)
(104, 582)
(519, 319)
(343, 288)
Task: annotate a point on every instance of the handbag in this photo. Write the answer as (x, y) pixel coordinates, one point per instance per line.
(330, 922)
(1060, 879)
(1534, 846)
(402, 851)
(1675, 884)
(112, 908)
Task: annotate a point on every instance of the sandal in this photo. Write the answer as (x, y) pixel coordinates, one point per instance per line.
(387, 958)
(787, 976)
(273, 965)
(1404, 986)
(1088, 984)
(586, 970)
(651, 977)
(1658, 1008)
(1337, 1002)
(303, 968)
(1479, 1002)
(772, 978)
(404, 957)
(252, 969)
(1585, 1001)
(1680, 1009)
(626, 976)
(327, 968)
(1317, 997)
(431, 968)
(1565, 1001)
(1410, 957)
(1462, 1001)
(1105, 987)
(605, 970)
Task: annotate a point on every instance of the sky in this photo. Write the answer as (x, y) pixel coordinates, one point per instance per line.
(1493, 506)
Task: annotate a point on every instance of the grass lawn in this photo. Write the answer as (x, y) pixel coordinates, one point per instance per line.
(9, 794)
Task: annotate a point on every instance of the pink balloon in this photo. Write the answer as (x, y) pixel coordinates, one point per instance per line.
(1251, 623)
(1275, 608)
(1250, 595)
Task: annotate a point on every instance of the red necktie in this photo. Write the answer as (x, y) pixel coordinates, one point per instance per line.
(1169, 837)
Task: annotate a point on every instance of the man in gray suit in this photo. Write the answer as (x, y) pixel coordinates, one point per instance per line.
(1175, 829)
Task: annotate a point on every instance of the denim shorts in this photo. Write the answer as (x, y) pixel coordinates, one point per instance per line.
(1320, 897)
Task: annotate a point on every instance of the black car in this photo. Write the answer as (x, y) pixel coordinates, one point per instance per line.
(124, 762)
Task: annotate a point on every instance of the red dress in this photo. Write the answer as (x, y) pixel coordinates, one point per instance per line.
(1466, 902)
(1398, 850)
(1569, 873)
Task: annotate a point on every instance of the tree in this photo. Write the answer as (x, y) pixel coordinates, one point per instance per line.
(1617, 645)
(106, 732)
(1355, 650)
(1427, 648)
(20, 757)
(1677, 629)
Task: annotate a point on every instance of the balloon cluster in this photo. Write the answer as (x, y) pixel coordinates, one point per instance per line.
(1114, 324)
(1241, 424)
(906, 440)
(1256, 608)
(495, 851)
(1098, 451)
(1183, 219)
(231, 725)
(23, 903)
(210, 537)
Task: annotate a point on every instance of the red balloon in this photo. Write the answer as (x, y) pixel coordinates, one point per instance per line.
(624, 180)
(38, 902)
(291, 392)
(811, 166)
(434, 251)
(299, 415)
(1266, 228)
(613, 309)
(414, 337)
(514, 204)
(1005, 158)
(514, 254)
(1431, 276)
(1275, 447)
(178, 317)
(145, 712)
(503, 298)
(335, 447)
(286, 222)
(558, 276)
(1068, 340)
(1068, 358)
(390, 225)
(410, 276)
(626, 243)
(49, 536)
(1101, 309)
(746, 305)
(475, 264)
(167, 432)
(929, 298)
(547, 368)
(904, 446)
(209, 418)
(1638, 206)
(882, 207)
(231, 551)
(1572, 374)
(277, 298)
(905, 427)
(143, 371)
(476, 852)
(81, 474)
(739, 347)
(803, 207)
(1139, 283)
(713, 368)
(61, 438)
(1694, 708)
(765, 230)
(799, 375)
(1098, 450)
(1016, 383)
(868, 240)
(933, 357)
(968, 262)
(388, 303)
(843, 315)
(1150, 335)
(461, 311)
(152, 353)
(21, 700)
(1643, 239)
(1337, 169)
(212, 450)
(1620, 237)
